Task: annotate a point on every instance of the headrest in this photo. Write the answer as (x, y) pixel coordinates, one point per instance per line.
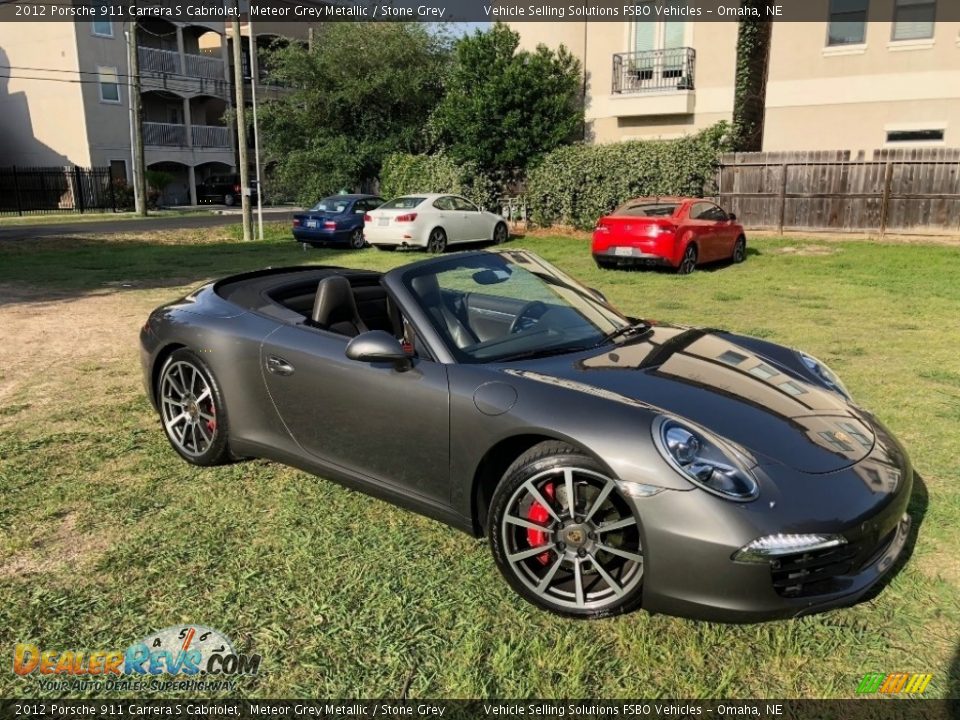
(334, 302)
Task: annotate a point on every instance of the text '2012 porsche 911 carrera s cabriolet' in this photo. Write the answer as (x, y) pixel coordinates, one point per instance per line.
(611, 462)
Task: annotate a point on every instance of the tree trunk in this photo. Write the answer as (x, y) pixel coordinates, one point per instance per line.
(750, 94)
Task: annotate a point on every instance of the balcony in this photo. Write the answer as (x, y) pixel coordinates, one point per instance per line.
(172, 135)
(167, 62)
(654, 71)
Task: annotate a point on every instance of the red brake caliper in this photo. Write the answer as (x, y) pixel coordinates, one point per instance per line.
(539, 514)
(212, 422)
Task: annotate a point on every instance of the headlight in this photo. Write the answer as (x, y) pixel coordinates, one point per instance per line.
(827, 376)
(769, 547)
(705, 459)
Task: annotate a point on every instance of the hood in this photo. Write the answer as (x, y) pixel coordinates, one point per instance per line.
(729, 389)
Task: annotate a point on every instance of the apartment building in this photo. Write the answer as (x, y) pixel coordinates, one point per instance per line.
(849, 83)
(66, 101)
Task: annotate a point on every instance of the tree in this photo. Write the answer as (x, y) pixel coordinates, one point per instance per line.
(750, 92)
(362, 92)
(504, 109)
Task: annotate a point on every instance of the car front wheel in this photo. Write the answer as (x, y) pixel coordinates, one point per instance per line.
(192, 410)
(563, 535)
(740, 250)
(500, 234)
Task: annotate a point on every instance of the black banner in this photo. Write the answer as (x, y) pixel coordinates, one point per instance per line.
(866, 709)
(444, 10)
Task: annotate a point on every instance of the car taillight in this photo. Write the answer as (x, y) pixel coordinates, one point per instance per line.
(236, 188)
(367, 218)
(329, 224)
(409, 217)
(665, 229)
(296, 222)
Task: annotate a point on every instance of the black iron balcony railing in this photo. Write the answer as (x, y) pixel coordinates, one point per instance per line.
(637, 72)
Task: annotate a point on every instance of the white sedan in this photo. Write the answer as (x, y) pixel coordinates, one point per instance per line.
(431, 221)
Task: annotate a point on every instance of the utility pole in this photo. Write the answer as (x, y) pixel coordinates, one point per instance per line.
(136, 122)
(241, 125)
(254, 79)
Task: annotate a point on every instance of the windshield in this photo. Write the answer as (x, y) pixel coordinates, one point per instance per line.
(490, 307)
(646, 208)
(402, 203)
(331, 205)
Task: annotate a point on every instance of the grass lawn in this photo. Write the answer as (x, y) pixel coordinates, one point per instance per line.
(105, 535)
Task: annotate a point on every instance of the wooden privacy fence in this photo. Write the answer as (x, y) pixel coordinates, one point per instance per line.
(897, 191)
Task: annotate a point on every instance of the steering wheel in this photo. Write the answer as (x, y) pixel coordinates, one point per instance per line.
(526, 317)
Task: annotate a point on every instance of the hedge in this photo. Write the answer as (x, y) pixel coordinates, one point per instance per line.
(403, 174)
(576, 184)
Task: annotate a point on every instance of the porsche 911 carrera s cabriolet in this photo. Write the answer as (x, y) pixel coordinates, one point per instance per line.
(612, 462)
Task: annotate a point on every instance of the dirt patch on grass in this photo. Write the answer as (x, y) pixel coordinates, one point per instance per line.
(803, 250)
(65, 548)
(48, 337)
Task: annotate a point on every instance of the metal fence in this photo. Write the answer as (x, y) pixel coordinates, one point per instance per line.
(40, 190)
(653, 70)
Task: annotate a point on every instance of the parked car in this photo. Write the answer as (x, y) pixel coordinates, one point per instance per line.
(431, 221)
(681, 233)
(610, 461)
(224, 189)
(335, 219)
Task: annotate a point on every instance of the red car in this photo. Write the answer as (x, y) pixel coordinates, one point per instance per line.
(677, 232)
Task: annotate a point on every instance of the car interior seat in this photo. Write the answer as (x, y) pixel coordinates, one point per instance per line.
(428, 290)
(335, 308)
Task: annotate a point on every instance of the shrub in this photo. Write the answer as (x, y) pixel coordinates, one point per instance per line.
(577, 184)
(403, 174)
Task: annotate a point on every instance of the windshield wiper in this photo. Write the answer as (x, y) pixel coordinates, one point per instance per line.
(545, 352)
(632, 329)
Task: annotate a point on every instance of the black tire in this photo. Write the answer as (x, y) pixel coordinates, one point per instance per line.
(739, 250)
(316, 246)
(215, 448)
(386, 248)
(574, 543)
(688, 263)
(500, 234)
(437, 241)
(229, 200)
(356, 239)
(604, 264)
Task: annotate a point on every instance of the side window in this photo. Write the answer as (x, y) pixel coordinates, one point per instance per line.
(443, 203)
(714, 213)
(360, 207)
(463, 205)
(699, 210)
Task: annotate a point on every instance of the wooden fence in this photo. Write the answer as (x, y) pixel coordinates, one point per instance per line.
(893, 191)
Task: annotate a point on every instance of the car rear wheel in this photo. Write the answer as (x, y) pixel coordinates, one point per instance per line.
(688, 262)
(563, 535)
(356, 239)
(500, 233)
(437, 242)
(192, 410)
(229, 200)
(740, 250)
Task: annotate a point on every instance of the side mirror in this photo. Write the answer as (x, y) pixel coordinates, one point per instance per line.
(378, 346)
(732, 217)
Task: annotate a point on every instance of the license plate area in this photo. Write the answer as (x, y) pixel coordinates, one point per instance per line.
(383, 221)
(623, 251)
(312, 224)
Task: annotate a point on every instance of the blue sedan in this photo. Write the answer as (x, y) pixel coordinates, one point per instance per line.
(335, 220)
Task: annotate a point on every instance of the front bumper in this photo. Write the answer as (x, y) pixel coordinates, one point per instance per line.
(691, 537)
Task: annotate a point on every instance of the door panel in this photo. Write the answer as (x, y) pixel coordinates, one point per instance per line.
(369, 418)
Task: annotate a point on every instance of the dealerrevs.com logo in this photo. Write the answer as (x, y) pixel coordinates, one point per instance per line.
(184, 657)
(894, 683)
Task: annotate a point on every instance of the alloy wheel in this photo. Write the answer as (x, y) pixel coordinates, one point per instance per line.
(187, 408)
(500, 234)
(437, 242)
(689, 261)
(740, 251)
(356, 240)
(572, 539)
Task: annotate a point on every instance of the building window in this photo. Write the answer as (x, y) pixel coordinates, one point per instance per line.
(915, 136)
(848, 22)
(109, 85)
(102, 28)
(913, 19)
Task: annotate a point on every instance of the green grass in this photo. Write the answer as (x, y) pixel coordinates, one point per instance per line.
(106, 535)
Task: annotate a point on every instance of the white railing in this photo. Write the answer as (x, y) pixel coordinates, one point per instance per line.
(159, 61)
(210, 136)
(166, 134)
(204, 66)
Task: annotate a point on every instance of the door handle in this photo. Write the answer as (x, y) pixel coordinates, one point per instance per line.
(279, 366)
